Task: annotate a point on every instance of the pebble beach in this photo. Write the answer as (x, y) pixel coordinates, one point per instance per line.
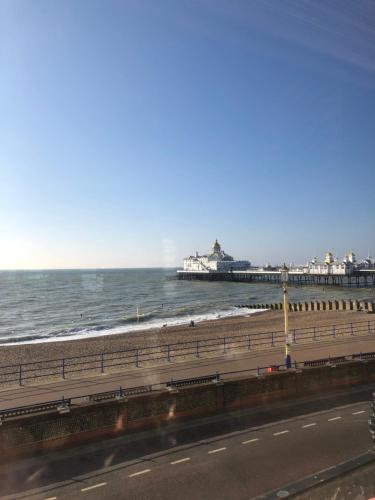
(266, 321)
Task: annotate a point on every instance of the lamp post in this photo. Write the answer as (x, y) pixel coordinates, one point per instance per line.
(284, 280)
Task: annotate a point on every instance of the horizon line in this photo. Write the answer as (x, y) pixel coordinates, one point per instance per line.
(84, 268)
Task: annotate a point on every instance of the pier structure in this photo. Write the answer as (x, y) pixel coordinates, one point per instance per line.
(331, 271)
(360, 278)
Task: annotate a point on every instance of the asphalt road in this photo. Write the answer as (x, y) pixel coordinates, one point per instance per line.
(221, 457)
(19, 396)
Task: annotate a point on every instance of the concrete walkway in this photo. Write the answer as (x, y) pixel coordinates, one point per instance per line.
(33, 394)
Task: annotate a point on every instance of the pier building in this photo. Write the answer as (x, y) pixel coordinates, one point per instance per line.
(219, 266)
(216, 261)
(330, 265)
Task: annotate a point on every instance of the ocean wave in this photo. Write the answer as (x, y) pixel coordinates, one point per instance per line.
(127, 327)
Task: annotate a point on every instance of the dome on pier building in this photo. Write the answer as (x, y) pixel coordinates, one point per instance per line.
(328, 259)
(351, 257)
(216, 248)
(368, 260)
(218, 253)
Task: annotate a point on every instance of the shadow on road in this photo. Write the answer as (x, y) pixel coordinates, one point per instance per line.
(64, 465)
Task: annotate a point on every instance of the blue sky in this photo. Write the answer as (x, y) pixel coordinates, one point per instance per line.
(134, 132)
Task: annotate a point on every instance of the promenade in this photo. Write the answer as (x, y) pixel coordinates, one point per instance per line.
(229, 362)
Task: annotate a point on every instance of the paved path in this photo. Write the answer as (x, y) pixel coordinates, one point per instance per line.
(206, 460)
(18, 396)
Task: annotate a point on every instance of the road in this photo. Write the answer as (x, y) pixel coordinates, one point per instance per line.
(217, 458)
(19, 396)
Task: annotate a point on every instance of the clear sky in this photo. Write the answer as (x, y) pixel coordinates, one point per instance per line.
(134, 132)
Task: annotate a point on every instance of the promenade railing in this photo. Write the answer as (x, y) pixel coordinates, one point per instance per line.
(64, 404)
(115, 361)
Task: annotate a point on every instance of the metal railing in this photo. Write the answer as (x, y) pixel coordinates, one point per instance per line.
(120, 393)
(64, 405)
(115, 361)
(36, 408)
(185, 382)
(324, 361)
(364, 355)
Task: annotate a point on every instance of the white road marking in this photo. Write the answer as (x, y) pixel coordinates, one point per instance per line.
(139, 472)
(358, 412)
(51, 498)
(180, 461)
(308, 425)
(279, 433)
(93, 486)
(333, 418)
(217, 450)
(250, 441)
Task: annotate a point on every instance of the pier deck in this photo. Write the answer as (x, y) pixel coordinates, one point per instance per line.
(364, 278)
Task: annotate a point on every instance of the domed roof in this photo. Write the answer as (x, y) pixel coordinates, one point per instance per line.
(328, 259)
(216, 248)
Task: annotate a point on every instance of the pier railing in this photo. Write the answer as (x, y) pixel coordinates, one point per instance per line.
(115, 361)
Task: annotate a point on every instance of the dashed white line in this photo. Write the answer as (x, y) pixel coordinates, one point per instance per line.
(217, 450)
(358, 412)
(308, 425)
(333, 418)
(144, 471)
(250, 441)
(93, 486)
(180, 461)
(51, 498)
(279, 433)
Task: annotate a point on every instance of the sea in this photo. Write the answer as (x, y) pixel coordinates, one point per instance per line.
(58, 305)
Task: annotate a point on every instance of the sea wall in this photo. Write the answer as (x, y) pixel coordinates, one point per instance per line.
(319, 305)
(29, 434)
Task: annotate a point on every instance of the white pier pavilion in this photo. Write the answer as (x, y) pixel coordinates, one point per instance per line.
(216, 261)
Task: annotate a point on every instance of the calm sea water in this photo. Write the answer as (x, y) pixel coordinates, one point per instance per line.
(59, 305)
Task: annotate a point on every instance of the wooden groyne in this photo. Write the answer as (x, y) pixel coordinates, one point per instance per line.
(319, 305)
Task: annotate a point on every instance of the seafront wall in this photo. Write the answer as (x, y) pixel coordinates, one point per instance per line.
(321, 305)
(29, 434)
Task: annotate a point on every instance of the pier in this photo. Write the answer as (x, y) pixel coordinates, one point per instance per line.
(358, 279)
(219, 266)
